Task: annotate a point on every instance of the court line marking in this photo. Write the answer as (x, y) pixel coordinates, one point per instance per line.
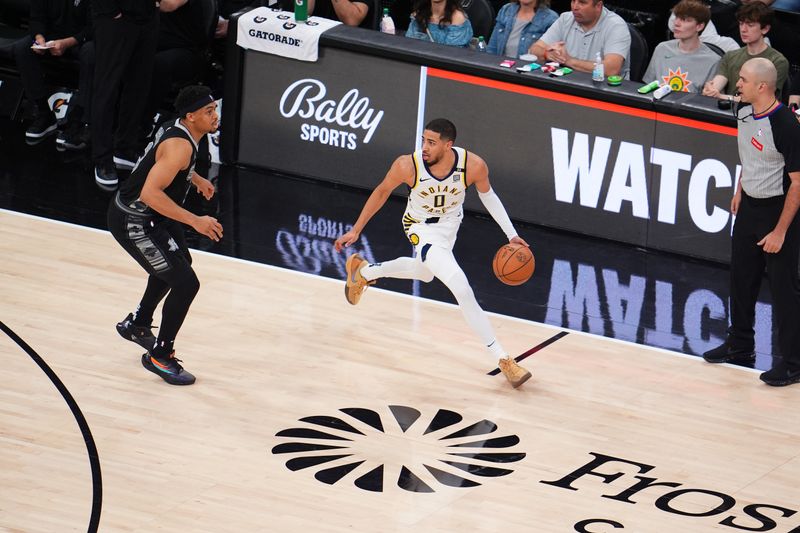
(694, 358)
(83, 425)
(533, 350)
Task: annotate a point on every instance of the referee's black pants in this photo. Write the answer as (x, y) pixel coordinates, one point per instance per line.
(756, 218)
(124, 54)
(160, 248)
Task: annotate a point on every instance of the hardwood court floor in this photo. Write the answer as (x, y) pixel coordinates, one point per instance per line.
(396, 381)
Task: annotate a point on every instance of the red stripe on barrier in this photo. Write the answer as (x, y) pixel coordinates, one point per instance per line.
(581, 101)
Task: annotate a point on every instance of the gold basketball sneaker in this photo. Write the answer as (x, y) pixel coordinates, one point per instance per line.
(356, 284)
(515, 374)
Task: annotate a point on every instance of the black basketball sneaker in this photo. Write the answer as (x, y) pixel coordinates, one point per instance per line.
(141, 335)
(168, 369)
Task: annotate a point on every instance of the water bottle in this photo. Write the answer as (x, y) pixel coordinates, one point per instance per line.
(481, 44)
(387, 24)
(300, 10)
(599, 71)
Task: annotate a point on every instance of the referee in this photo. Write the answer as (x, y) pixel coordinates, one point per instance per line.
(145, 217)
(766, 234)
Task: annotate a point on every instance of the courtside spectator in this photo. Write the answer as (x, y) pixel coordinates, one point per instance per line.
(181, 53)
(685, 63)
(794, 93)
(125, 35)
(58, 28)
(710, 36)
(589, 28)
(755, 20)
(349, 12)
(442, 22)
(518, 25)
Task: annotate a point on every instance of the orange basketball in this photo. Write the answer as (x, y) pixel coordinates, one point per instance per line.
(513, 264)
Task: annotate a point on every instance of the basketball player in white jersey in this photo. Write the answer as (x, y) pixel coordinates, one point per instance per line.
(438, 176)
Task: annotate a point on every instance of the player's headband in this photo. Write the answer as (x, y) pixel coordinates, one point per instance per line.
(194, 106)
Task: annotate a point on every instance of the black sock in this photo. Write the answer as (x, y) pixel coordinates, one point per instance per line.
(140, 320)
(162, 349)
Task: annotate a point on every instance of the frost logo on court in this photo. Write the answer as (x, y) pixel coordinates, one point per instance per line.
(399, 447)
(328, 121)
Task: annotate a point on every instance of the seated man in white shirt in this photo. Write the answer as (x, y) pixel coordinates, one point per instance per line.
(589, 28)
(685, 63)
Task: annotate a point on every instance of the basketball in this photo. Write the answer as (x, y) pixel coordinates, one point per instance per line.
(513, 264)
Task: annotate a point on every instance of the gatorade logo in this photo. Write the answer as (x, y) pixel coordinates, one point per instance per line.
(259, 20)
(274, 37)
(59, 103)
(289, 25)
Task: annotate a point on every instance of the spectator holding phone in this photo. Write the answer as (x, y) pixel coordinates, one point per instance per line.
(57, 28)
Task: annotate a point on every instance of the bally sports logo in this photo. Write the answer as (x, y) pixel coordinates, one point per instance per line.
(325, 117)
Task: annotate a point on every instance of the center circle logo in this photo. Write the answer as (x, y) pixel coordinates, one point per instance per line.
(402, 447)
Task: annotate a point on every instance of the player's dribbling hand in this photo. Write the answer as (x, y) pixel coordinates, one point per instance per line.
(346, 240)
(519, 240)
(209, 227)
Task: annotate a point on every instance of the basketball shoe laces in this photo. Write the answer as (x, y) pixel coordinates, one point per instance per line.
(172, 362)
(141, 331)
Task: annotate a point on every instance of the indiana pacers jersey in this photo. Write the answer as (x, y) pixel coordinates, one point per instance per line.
(433, 200)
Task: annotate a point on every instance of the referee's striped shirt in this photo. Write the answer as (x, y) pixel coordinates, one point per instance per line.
(769, 148)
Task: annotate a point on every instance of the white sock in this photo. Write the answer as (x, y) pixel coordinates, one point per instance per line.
(497, 350)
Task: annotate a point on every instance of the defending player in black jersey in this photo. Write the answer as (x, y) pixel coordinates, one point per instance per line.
(146, 217)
